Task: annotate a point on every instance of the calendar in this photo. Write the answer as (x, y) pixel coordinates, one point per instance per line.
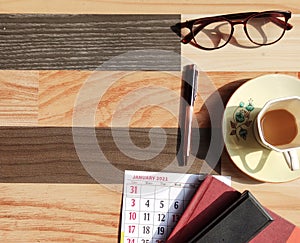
(153, 203)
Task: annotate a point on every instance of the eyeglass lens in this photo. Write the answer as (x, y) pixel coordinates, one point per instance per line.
(264, 29)
(213, 35)
(261, 29)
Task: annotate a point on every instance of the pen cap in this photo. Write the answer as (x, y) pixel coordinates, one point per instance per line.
(190, 83)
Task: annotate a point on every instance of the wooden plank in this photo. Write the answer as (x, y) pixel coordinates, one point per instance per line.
(59, 213)
(151, 6)
(129, 99)
(48, 98)
(121, 42)
(126, 99)
(57, 96)
(90, 213)
(53, 155)
(19, 98)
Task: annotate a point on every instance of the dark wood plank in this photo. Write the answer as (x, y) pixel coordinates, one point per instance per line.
(121, 42)
(49, 155)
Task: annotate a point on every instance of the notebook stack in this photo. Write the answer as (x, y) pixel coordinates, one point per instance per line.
(219, 213)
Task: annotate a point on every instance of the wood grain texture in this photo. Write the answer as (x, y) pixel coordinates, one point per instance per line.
(105, 93)
(57, 95)
(137, 7)
(52, 155)
(18, 98)
(60, 213)
(122, 42)
(132, 99)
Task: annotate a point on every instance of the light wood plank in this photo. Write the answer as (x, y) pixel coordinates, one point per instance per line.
(19, 98)
(57, 95)
(132, 99)
(126, 99)
(60, 213)
(136, 6)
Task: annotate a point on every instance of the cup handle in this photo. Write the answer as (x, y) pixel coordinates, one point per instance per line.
(291, 157)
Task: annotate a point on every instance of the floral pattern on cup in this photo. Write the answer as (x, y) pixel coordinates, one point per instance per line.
(241, 120)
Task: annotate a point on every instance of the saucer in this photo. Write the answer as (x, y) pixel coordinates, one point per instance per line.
(238, 121)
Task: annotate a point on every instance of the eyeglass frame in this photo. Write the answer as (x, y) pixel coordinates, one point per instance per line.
(243, 17)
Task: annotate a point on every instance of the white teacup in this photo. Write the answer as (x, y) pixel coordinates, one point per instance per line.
(277, 127)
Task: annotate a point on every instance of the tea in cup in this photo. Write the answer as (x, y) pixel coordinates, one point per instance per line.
(277, 127)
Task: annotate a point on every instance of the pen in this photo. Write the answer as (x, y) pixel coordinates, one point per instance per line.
(189, 93)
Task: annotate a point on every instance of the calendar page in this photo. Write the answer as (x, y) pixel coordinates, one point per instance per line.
(153, 202)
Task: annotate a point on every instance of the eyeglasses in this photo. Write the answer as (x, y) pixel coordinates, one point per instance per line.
(261, 28)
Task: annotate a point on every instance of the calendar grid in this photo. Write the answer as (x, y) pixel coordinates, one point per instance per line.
(161, 199)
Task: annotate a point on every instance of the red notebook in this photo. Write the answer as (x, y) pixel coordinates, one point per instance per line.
(210, 200)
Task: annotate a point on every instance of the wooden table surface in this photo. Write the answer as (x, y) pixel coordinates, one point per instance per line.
(52, 108)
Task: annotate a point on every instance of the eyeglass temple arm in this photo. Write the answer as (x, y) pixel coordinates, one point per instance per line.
(187, 38)
(283, 24)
